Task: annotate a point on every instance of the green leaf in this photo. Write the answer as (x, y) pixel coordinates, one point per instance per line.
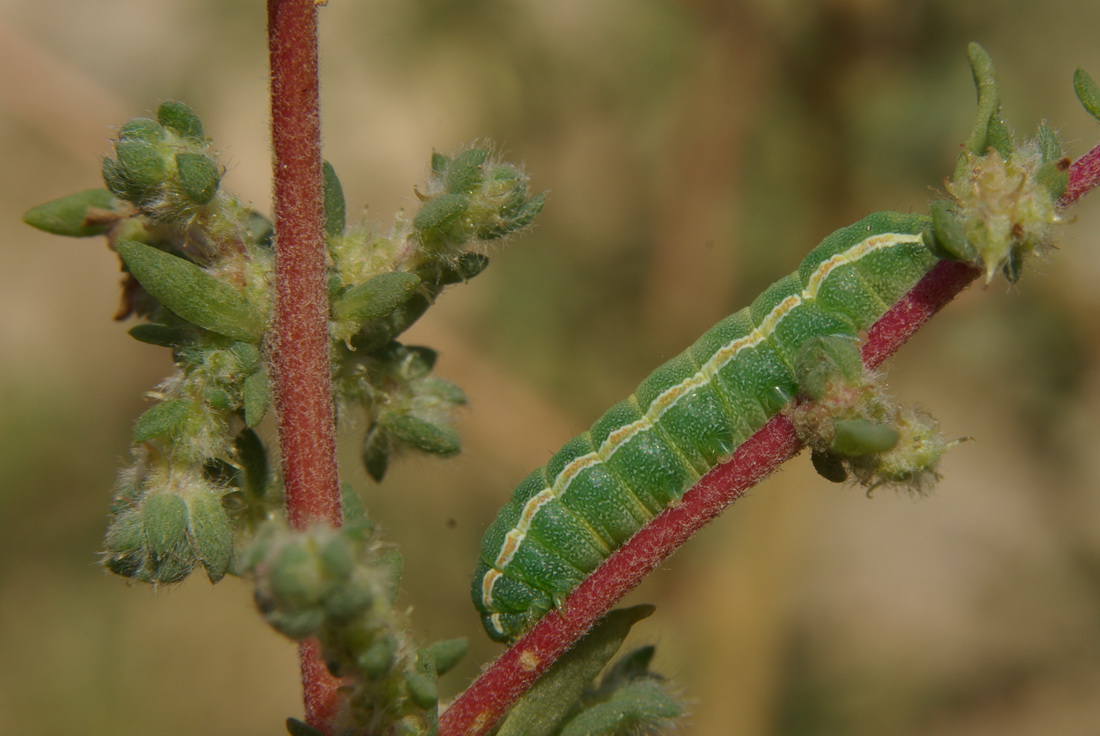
(1087, 92)
(261, 229)
(638, 704)
(198, 176)
(463, 268)
(181, 119)
(435, 213)
(163, 419)
(391, 563)
(464, 172)
(142, 129)
(165, 336)
(424, 435)
(415, 361)
(296, 577)
(377, 447)
(948, 237)
(379, 657)
(356, 520)
(69, 215)
(142, 163)
(191, 293)
(335, 208)
(375, 298)
(822, 360)
(296, 728)
(858, 437)
(989, 130)
(422, 689)
(252, 456)
(447, 653)
(440, 162)
(218, 398)
(256, 395)
(116, 181)
(165, 518)
(550, 700)
(212, 533)
(631, 666)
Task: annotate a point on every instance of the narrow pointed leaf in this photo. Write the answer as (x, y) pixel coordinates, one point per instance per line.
(72, 216)
(180, 118)
(335, 207)
(162, 419)
(424, 435)
(447, 653)
(296, 728)
(375, 298)
(198, 176)
(252, 456)
(211, 534)
(542, 710)
(1087, 92)
(629, 710)
(165, 336)
(256, 391)
(191, 293)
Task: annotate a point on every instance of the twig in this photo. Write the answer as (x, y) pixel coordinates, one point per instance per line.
(299, 344)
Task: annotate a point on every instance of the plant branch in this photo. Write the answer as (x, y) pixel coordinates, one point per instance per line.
(298, 343)
(486, 700)
(1084, 176)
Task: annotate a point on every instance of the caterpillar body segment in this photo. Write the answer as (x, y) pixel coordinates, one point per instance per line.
(690, 414)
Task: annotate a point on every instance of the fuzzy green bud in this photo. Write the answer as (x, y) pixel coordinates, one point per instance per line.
(143, 165)
(444, 655)
(165, 518)
(168, 418)
(198, 176)
(424, 435)
(348, 600)
(379, 657)
(464, 173)
(436, 214)
(422, 689)
(296, 577)
(1005, 209)
(856, 437)
(181, 119)
(211, 532)
(142, 129)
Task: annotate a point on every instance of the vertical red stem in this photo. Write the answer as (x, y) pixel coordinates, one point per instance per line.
(299, 344)
(487, 699)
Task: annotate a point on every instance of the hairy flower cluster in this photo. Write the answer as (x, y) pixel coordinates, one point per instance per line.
(340, 586)
(1005, 209)
(199, 273)
(854, 428)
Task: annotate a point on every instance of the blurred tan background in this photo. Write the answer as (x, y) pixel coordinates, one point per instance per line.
(693, 150)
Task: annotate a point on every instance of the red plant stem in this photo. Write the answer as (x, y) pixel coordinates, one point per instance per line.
(486, 700)
(299, 347)
(1084, 176)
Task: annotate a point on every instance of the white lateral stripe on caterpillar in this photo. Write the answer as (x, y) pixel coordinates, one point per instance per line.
(668, 398)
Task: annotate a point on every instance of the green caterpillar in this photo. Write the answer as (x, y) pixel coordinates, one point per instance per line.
(689, 415)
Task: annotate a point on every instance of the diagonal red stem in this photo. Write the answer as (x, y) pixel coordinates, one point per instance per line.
(299, 343)
(486, 700)
(1084, 176)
